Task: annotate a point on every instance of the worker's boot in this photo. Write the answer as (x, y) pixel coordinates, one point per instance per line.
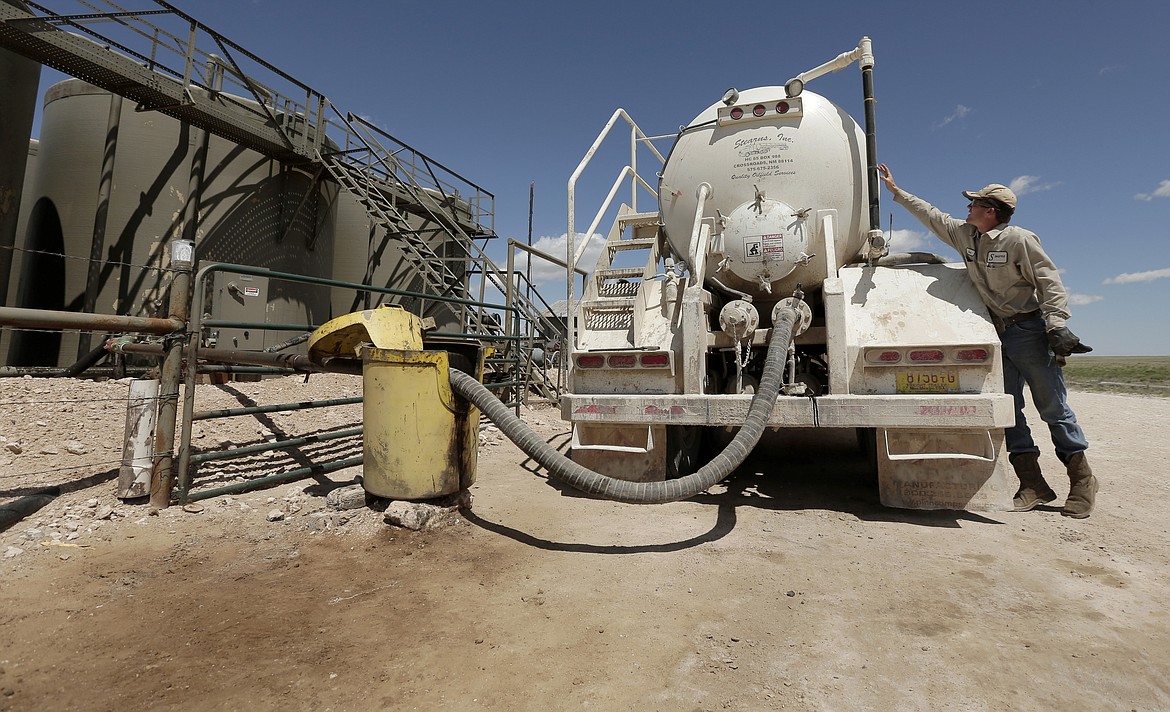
(1033, 489)
(1083, 489)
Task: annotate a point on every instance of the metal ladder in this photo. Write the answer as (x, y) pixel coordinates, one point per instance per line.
(388, 190)
(610, 300)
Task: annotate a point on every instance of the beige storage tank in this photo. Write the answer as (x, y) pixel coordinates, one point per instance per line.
(19, 76)
(254, 211)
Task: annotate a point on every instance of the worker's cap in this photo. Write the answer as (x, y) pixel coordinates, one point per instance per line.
(995, 192)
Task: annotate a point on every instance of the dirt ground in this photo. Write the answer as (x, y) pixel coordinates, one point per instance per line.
(789, 588)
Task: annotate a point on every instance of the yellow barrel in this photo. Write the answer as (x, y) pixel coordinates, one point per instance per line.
(421, 439)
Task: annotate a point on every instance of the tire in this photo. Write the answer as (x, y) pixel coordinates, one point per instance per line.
(683, 445)
(867, 444)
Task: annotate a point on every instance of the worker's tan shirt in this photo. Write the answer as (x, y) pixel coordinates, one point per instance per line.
(1010, 269)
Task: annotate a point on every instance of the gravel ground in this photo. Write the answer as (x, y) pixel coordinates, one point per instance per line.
(788, 587)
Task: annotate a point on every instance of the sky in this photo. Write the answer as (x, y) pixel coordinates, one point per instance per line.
(1065, 101)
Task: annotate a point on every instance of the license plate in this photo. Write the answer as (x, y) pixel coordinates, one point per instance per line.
(932, 381)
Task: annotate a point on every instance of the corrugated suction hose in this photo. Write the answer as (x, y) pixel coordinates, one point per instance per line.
(565, 470)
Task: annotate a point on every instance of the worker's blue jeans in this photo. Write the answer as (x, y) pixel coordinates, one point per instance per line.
(1027, 359)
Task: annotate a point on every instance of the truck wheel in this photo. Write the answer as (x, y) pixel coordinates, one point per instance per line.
(867, 443)
(683, 443)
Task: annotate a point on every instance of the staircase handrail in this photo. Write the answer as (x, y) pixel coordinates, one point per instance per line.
(636, 136)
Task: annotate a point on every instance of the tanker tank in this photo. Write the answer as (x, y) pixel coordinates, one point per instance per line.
(772, 163)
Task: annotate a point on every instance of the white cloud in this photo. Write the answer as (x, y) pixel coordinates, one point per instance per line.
(1022, 185)
(908, 240)
(1077, 300)
(1132, 277)
(960, 112)
(1109, 69)
(1162, 191)
(545, 271)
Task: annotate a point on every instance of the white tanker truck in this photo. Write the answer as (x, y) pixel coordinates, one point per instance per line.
(767, 204)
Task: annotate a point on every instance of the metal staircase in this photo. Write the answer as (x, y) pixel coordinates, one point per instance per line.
(610, 302)
(154, 57)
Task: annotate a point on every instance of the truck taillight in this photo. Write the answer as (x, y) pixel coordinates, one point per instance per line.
(655, 360)
(883, 356)
(759, 110)
(737, 113)
(926, 356)
(782, 107)
(971, 355)
(621, 361)
(590, 361)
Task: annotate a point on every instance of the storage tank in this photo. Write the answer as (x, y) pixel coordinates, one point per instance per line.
(771, 163)
(254, 211)
(20, 77)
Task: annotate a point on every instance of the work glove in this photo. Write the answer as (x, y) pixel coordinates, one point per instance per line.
(1063, 342)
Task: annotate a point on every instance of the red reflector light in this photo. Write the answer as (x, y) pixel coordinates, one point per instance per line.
(926, 356)
(883, 357)
(621, 361)
(655, 360)
(737, 113)
(782, 107)
(759, 110)
(590, 361)
(971, 355)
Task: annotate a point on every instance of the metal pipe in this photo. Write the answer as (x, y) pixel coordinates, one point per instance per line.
(866, 48)
(283, 407)
(513, 242)
(833, 65)
(283, 477)
(294, 362)
(49, 319)
(210, 455)
(183, 261)
(698, 256)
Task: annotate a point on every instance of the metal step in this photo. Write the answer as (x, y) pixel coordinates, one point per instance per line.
(638, 243)
(619, 289)
(619, 273)
(639, 219)
(608, 320)
(608, 303)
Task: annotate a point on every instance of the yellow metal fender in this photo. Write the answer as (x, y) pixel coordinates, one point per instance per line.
(386, 327)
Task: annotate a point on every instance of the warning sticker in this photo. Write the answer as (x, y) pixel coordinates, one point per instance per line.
(757, 248)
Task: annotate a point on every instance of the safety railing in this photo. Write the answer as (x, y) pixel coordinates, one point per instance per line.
(169, 61)
(630, 171)
(199, 322)
(548, 331)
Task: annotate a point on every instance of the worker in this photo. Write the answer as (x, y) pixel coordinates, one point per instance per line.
(1023, 292)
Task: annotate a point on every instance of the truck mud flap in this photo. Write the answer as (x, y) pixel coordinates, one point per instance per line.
(943, 469)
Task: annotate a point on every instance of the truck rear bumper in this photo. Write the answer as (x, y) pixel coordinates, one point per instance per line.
(994, 410)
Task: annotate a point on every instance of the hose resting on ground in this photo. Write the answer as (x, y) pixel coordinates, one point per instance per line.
(565, 470)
